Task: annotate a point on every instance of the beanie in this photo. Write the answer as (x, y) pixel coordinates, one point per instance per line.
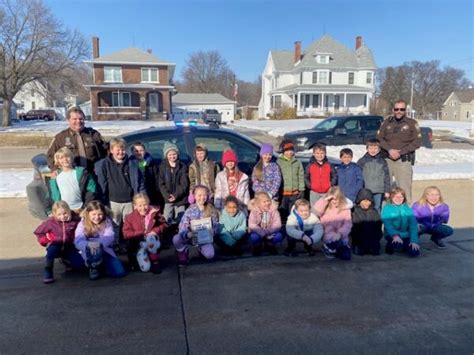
(266, 149)
(229, 155)
(168, 147)
(287, 144)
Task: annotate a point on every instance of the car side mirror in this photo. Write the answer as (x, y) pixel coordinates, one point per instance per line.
(340, 131)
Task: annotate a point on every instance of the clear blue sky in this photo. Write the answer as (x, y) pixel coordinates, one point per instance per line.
(244, 31)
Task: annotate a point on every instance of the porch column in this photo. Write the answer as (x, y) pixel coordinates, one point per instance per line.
(367, 101)
(322, 102)
(299, 102)
(345, 102)
(94, 103)
(143, 113)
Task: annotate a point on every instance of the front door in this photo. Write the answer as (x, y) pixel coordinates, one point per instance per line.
(153, 103)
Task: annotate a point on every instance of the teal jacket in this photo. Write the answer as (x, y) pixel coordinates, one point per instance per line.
(400, 220)
(86, 184)
(234, 226)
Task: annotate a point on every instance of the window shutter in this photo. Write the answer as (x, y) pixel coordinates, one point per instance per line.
(330, 77)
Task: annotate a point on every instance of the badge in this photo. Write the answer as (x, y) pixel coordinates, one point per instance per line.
(68, 141)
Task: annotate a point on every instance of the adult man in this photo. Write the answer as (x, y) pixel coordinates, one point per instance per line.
(86, 144)
(399, 137)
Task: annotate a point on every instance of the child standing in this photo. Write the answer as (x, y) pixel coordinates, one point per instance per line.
(73, 185)
(400, 227)
(199, 210)
(334, 210)
(119, 180)
(302, 226)
(173, 182)
(266, 175)
(292, 173)
(231, 182)
(232, 225)
(349, 175)
(264, 224)
(202, 171)
(366, 225)
(142, 230)
(375, 173)
(319, 174)
(94, 239)
(57, 235)
(432, 215)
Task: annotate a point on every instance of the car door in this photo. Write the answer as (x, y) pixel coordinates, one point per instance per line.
(370, 125)
(350, 133)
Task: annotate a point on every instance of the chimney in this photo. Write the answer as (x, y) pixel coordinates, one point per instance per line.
(149, 51)
(297, 51)
(358, 42)
(95, 47)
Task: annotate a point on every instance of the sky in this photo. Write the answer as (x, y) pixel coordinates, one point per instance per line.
(244, 31)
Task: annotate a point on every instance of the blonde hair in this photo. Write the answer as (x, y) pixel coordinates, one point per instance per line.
(209, 209)
(91, 229)
(338, 196)
(61, 205)
(261, 196)
(117, 141)
(398, 190)
(141, 195)
(422, 201)
(62, 152)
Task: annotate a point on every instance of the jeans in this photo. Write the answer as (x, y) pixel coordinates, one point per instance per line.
(119, 211)
(401, 247)
(438, 232)
(113, 266)
(342, 250)
(173, 213)
(68, 252)
(256, 239)
(378, 198)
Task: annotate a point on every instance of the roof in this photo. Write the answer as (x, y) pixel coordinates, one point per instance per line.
(131, 56)
(465, 96)
(130, 86)
(282, 60)
(187, 99)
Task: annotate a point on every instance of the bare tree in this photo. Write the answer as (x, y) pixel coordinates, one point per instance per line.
(249, 92)
(34, 45)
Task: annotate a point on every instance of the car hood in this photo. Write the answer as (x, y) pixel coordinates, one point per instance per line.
(304, 132)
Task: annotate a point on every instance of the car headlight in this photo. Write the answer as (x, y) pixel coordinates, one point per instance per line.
(301, 141)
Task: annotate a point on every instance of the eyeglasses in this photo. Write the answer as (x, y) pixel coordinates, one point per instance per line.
(399, 109)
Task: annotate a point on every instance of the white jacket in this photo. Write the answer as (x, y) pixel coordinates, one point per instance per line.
(222, 190)
(311, 225)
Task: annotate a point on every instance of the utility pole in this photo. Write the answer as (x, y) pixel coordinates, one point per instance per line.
(411, 94)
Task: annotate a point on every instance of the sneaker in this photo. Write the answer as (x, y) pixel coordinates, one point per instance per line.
(94, 273)
(156, 268)
(48, 276)
(310, 251)
(440, 244)
(289, 252)
(328, 253)
(183, 257)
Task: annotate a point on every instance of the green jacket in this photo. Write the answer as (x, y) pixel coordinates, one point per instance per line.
(292, 173)
(86, 184)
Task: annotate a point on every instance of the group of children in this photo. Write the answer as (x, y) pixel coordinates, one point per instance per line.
(136, 202)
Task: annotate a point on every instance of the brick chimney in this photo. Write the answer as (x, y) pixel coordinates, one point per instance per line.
(95, 47)
(297, 51)
(149, 51)
(358, 42)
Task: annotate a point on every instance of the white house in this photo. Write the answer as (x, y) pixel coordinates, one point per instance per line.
(192, 105)
(326, 78)
(459, 106)
(31, 97)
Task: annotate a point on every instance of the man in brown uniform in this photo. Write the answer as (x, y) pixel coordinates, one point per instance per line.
(86, 144)
(399, 137)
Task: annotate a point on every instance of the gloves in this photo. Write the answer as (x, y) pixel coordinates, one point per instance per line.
(307, 240)
(47, 239)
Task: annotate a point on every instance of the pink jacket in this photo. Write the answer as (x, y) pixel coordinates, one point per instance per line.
(255, 221)
(337, 224)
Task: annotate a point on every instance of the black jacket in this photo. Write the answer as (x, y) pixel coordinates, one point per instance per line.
(173, 182)
(366, 224)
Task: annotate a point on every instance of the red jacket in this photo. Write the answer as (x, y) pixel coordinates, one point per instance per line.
(137, 226)
(319, 177)
(54, 231)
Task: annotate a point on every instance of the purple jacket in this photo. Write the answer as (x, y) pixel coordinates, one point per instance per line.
(431, 218)
(271, 180)
(106, 238)
(193, 212)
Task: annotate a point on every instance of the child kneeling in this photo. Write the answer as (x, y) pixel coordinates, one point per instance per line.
(232, 226)
(264, 224)
(197, 227)
(302, 226)
(142, 230)
(95, 238)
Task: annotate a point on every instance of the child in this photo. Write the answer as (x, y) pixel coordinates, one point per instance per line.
(349, 175)
(142, 230)
(375, 173)
(302, 226)
(432, 215)
(199, 210)
(232, 225)
(266, 175)
(231, 182)
(264, 224)
(400, 227)
(173, 182)
(334, 210)
(292, 173)
(202, 171)
(319, 175)
(366, 225)
(119, 180)
(149, 169)
(73, 185)
(94, 239)
(57, 235)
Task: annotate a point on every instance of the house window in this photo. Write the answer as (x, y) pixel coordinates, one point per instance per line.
(277, 101)
(323, 77)
(322, 58)
(315, 77)
(113, 74)
(351, 78)
(149, 75)
(315, 100)
(369, 77)
(121, 99)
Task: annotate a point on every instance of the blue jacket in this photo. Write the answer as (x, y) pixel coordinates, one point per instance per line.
(349, 178)
(400, 220)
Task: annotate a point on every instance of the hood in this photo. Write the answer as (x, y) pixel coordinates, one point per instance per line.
(365, 194)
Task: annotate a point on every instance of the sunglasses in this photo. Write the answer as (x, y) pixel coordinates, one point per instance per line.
(399, 109)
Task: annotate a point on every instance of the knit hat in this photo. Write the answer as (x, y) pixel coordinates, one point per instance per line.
(287, 144)
(229, 155)
(168, 147)
(266, 149)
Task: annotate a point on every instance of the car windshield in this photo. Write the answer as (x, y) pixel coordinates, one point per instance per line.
(326, 125)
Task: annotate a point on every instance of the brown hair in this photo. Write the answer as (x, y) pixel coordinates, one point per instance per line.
(422, 201)
(75, 109)
(64, 151)
(259, 170)
(138, 144)
(61, 205)
(91, 229)
(398, 190)
(346, 151)
(302, 202)
(117, 141)
(400, 101)
(319, 146)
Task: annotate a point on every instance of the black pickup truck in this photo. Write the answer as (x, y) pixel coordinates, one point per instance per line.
(345, 130)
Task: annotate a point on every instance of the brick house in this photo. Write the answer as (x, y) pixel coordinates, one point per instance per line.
(130, 84)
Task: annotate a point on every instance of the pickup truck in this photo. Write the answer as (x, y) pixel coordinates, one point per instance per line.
(44, 114)
(345, 130)
(212, 116)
